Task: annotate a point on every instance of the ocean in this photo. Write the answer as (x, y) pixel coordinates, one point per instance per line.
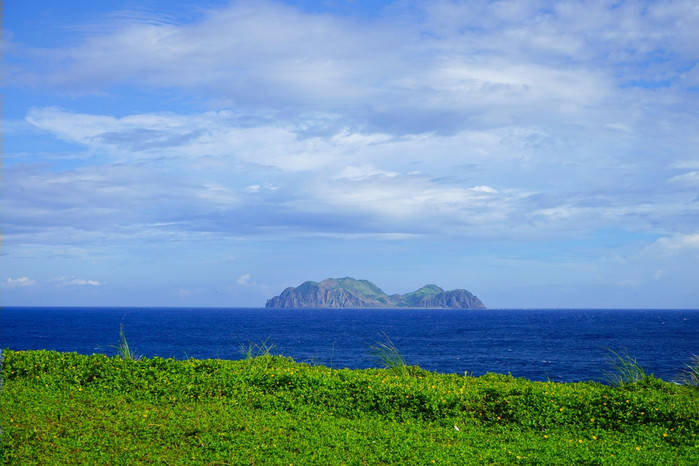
(565, 345)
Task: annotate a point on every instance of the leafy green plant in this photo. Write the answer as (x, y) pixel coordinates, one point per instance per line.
(690, 374)
(61, 408)
(625, 369)
(123, 349)
(388, 355)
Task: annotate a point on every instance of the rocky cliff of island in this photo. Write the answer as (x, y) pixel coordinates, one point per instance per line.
(350, 293)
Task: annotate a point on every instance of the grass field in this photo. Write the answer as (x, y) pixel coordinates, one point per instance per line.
(58, 408)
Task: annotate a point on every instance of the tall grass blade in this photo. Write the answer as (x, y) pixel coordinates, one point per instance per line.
(257, 355)
(625, 369)
(254, 350)
(388, 355)
(332, 355)
(123, 350)
(690, 374)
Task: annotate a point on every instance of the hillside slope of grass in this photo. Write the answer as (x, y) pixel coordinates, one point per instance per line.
(59, 408)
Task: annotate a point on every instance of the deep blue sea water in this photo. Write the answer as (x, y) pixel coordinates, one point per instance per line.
(559, 345)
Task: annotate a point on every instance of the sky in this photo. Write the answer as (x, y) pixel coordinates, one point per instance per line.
(212, 153)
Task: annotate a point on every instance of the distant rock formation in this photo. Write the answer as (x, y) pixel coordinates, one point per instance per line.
(351, 293)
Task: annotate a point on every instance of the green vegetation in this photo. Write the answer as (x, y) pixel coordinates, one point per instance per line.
(362, 288)
(416, 297)
(59, 408)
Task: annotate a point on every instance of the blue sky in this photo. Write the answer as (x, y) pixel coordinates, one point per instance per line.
(212, 153)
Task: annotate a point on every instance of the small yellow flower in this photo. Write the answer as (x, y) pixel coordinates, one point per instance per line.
(638, 448)
(594, 437)
(546, 436)
(561, 409)
(580, 441)
(665, 434)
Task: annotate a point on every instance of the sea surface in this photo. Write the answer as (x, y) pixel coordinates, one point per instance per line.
(558, 345)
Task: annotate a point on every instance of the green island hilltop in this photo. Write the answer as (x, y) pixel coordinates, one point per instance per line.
(350, 293)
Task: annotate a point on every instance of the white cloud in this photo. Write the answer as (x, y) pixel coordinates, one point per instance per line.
(276, 178)
(245, 280)
(686, 164)
(433, 66)
(72, 281)
(184, 293)
(403, 125)
(364, 172)
(19, 282)
(686, 179)
(211, 134)
(679, 243)
(485, 189)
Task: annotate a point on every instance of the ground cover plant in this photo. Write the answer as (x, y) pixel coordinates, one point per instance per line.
(58, 408)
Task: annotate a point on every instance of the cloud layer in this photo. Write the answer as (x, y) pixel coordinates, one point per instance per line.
(517, 123)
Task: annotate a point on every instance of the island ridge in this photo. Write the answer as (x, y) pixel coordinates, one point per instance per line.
(350, 293)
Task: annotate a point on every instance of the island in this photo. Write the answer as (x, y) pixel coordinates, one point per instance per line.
(350, 293)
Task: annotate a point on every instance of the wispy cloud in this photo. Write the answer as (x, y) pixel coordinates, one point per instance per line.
(433, 66)
(473, 182)
(73, 281)
(19, 282)
(186, 293)
(245, 280)
(678, 244)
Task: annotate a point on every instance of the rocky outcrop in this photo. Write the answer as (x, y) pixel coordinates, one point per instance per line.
(350, 293)
(459, 299)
